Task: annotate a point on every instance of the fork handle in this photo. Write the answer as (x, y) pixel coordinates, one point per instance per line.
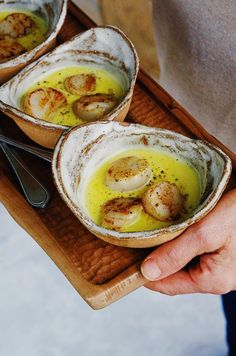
(39, 152)
(35, 193)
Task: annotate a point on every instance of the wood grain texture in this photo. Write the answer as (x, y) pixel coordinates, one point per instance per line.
(100, 272)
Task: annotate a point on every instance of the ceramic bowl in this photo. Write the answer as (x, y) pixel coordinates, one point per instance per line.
(106, 47)
(82, 149)
(54, 12)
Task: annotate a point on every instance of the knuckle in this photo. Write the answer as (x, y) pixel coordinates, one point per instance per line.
(205, 241)
(213, 279)
(208, 238)
(208, 267)
(173, 258)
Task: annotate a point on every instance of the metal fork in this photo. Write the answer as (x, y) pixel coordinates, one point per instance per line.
(36, 194)
(39, 152)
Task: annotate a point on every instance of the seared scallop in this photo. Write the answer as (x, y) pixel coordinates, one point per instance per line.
(80, 84)
(17, 25)
(120, 213)
(128, 173)
(9, 48)
(43, 103)
(94, 107)
(163, 201)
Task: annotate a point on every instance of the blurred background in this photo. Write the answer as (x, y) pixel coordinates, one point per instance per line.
(40, 312)
(134, 17)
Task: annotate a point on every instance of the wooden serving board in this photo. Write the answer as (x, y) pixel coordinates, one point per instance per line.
(100, 272)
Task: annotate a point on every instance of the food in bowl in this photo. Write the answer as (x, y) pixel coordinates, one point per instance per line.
(28, 29)
(20, 31)
(119, 213)
(167, 188)
(81, 83)
(128, 173)
(102, 52)
(9, 48)
(164, 201)
(94, 107)
(71, 96)
(84, 155)
(44, 103)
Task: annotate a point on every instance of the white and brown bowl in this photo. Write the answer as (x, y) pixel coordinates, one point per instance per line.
(105, 46)
(82, 149)
(54, 12)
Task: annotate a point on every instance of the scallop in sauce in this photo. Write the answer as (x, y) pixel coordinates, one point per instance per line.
(164, 167)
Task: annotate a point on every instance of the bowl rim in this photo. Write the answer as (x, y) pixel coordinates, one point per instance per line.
(209, 202)
(43, 123)
(29, 55)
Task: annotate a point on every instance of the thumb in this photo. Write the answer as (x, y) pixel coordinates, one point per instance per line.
(172, 256)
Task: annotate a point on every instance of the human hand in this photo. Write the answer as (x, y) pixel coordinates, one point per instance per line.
(213, 239)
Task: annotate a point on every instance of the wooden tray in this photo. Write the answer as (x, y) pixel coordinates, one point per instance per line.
(100, 272)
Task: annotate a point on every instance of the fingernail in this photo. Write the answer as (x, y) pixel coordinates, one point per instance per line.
(150, 269)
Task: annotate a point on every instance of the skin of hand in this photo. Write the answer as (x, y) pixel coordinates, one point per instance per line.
(211, 242)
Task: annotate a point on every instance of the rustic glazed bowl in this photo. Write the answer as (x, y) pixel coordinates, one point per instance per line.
(54, 12)
(106, 47)
(82, 149)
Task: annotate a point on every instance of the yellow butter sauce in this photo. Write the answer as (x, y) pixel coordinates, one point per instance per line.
(106, 83)
(165, 167)
(37, 36)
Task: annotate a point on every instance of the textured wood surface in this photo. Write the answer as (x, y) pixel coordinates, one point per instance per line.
(100, 272)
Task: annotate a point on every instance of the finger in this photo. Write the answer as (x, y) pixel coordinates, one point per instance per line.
(171, 256)
(176, 254)
(208, 276)
(178, 283)
(212, 275)
(206, 236)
